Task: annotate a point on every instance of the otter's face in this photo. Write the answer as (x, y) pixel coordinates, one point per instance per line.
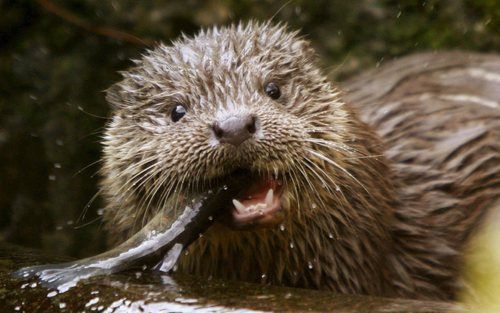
(245, 97)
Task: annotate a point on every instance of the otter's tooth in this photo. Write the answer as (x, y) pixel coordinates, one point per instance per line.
(239, 206)
(269, 197)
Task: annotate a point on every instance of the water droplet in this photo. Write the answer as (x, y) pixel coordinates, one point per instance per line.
(138, 275)
(94, 292)
(282, 227)
(263, 276)
(291, 245)
(337, 188)
(24, 285)
(330, 235)
(210, 218)
(144, 267)
(17, 308)
(100, 211)
(200, 235)
(314, 206)
(62, 305)
(225, 187)
(33, 285)
(52, 177)
(59, 142)
(92, 302)
(70, 222)
(288, 295)
(57, 165)
(52, 294)
(399, 14)
(309, 265)
(185, 300)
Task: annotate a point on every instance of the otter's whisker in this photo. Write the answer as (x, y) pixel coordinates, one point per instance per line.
(307, 163)
(324, 158)
(89, 203)
(86, 167)
(332, 145)
(312, 187)
(136, 184)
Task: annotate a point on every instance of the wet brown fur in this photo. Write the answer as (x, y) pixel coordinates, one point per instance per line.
(378, 202)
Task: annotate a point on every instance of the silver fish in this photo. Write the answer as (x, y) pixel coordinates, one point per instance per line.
(157, 245)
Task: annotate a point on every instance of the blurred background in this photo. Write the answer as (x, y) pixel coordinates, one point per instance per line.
(57, 57)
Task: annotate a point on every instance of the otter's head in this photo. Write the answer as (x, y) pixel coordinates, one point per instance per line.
(241, 97)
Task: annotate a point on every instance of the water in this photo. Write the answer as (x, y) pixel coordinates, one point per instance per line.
(151, 292)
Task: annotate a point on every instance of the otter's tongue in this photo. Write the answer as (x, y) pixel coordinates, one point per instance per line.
(259, 205)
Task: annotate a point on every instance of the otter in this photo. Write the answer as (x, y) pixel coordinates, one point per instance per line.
(374, 199)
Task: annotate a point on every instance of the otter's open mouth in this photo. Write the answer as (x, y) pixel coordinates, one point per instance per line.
(259, 205)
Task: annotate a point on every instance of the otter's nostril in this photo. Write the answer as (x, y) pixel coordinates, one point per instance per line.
(217, 130)
(251, 127)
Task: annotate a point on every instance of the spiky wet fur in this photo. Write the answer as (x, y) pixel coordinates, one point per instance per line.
(356, 221)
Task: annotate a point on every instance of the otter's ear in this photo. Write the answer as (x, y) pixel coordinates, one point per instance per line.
(303, 47)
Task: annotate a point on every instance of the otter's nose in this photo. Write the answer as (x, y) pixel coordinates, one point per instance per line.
(235, 129)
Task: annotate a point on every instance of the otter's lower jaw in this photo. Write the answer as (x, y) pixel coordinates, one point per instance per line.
(258, 206)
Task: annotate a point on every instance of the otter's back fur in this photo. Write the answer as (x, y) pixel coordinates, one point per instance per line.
(439, 117)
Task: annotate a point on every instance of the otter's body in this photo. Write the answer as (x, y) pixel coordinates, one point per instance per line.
(375, 197)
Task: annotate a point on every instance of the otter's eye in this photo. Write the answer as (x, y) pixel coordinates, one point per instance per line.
(272, 90)
(177, 112)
